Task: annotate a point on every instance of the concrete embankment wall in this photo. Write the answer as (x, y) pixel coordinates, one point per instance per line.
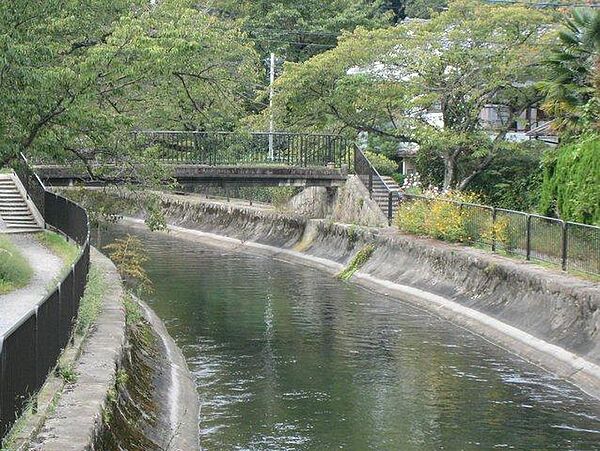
(549, 318)
(131, 387)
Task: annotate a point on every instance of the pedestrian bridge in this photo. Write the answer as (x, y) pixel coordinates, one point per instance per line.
(279, 159)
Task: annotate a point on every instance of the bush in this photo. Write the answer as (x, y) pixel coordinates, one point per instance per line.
(571, 186)
(381, 163)
(441, 216)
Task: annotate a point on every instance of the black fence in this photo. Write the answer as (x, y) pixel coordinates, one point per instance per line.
(30, 349)
(225, 148)
(573, 246)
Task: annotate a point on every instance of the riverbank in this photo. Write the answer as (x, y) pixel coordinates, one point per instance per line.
(74, 410)
(546, 317)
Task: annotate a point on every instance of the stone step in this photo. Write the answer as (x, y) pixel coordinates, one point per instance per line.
(16, 214)
(15, 230)
(15, 219)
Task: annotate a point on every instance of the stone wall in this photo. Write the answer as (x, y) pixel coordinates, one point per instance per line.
(348, 204)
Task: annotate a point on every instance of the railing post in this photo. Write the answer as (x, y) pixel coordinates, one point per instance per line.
(528, 242)
(371, 185)
(493, 229)
(390, 207)
(564, 245)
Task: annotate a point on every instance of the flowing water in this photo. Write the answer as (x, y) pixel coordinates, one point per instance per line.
(288, 358)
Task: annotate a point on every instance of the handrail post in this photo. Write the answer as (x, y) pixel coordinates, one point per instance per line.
(390, 207)
(564, 245)
(493, 229)
(370, 185)
(528, 246)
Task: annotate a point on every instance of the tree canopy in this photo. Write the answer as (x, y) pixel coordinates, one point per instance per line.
(79, 77)
(389, 81)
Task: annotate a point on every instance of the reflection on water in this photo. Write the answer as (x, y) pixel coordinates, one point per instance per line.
(286, 357)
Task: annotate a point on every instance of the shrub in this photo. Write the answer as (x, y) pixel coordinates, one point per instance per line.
(441, 216)
(381, 163)
(571, 186)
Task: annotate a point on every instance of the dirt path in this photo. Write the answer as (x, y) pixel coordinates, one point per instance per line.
(46, 269)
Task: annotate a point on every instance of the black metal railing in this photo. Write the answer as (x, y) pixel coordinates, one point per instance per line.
(30, 349)
(238, 148)
(570, 245)
(371, 178)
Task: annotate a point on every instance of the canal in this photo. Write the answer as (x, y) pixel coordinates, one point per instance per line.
(286, 357)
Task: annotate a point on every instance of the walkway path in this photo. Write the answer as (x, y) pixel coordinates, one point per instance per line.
(46, 269)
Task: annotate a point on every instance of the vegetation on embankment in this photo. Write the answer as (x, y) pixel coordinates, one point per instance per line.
(571, 187)
(15, 271)
(357, 262)
(91, 302)
(58, 245)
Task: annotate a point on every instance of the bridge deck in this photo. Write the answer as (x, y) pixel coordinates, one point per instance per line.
(191, 173)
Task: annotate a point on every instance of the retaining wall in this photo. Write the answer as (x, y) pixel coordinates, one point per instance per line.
(548, 317)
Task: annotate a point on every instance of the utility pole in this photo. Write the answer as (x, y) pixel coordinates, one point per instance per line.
(271, 119)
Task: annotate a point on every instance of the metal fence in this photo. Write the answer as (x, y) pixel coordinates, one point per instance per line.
(230, 148)
(571, 245)
(30, 349)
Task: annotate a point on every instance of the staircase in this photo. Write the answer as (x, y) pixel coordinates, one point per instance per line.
(381, 193)
(17, 214)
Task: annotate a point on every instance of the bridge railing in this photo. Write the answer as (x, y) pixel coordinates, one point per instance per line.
(31, 347)
(233, 148)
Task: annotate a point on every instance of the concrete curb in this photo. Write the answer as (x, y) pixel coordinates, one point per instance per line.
(569, 366)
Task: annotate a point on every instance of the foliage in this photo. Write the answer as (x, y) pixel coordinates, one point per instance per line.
(297, 30)
(423, 9)
(129, 257)
(381, 163)
(514, 178)
(573, 86)
(15, 271)
(77, 77)
(357, 262)
(440, 215)
(388, 82)
(571, 186)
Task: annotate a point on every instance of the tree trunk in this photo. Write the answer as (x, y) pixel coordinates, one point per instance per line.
(449, 172)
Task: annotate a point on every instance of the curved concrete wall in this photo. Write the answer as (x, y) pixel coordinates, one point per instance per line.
(550, 318)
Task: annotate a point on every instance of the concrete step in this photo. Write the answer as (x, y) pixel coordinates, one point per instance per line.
(17, 220)
(17, 214)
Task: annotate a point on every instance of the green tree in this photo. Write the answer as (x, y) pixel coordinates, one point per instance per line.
(389, 81)
(297, 30)
(573, 86)
(86, 74)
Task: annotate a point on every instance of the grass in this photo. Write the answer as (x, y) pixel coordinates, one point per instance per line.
(15, 271)
(91, 302)
(59, 246)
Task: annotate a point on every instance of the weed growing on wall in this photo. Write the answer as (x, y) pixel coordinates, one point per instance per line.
(361, 257)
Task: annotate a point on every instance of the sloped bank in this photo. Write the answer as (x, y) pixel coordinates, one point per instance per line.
(549, 318)
(130, 389)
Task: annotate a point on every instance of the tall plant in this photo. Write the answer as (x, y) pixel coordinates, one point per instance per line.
(573, 87)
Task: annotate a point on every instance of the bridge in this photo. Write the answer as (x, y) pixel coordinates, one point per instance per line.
(276, 159)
